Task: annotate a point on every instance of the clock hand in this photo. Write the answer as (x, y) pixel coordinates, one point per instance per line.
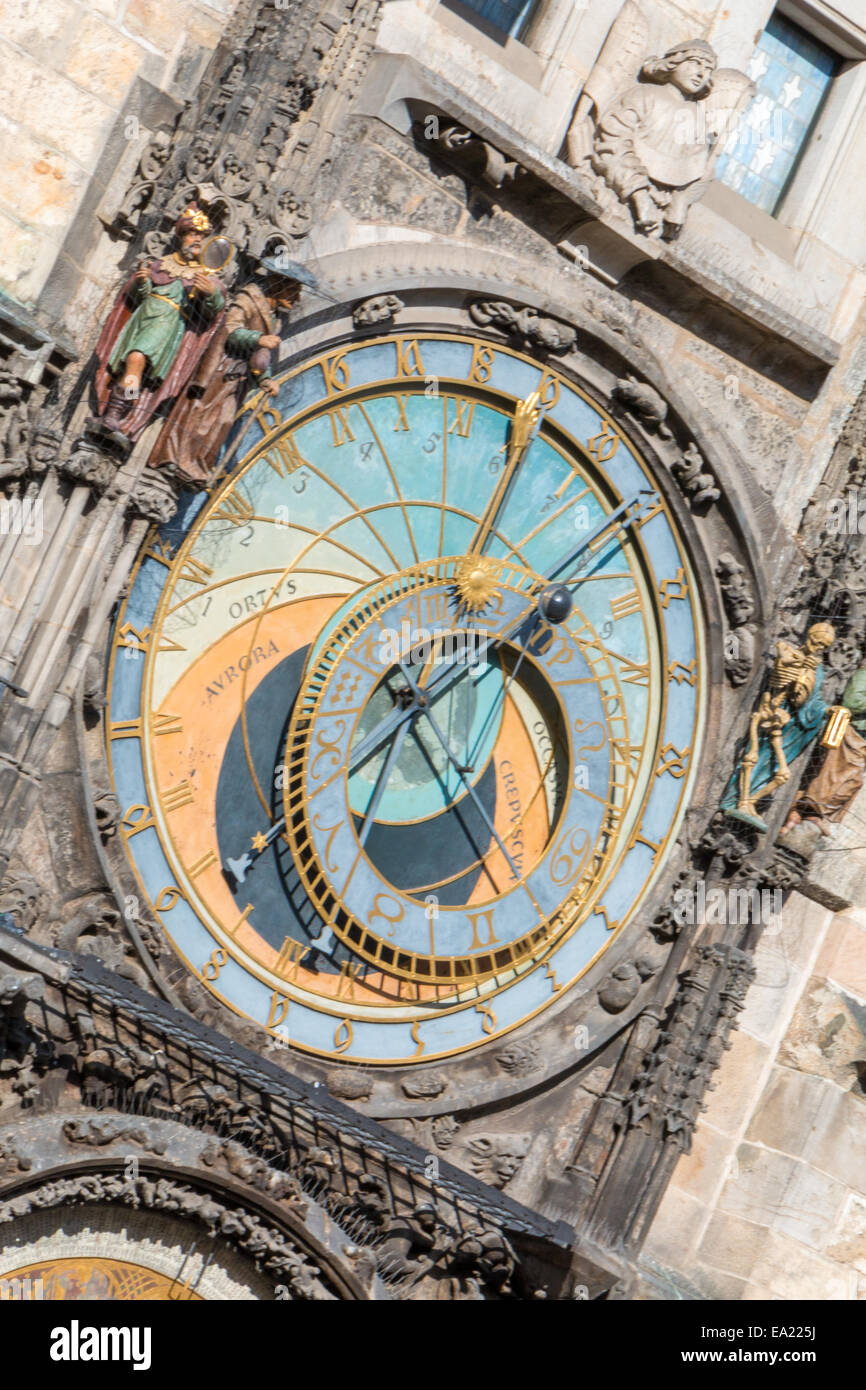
(239, 868)
(461, 772)
(381, 780)
(525, 425)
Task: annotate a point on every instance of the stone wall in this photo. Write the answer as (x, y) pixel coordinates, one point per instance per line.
(771, 1201)
(66, 70)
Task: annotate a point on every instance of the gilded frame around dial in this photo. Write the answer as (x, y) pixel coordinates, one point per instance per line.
(167, 772)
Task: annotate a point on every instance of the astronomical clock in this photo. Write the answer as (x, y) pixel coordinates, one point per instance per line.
(405, 709)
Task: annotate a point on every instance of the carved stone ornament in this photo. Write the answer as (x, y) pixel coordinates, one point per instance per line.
(379, 308)
(271, 1251)
(623, 983)
(647, 129)
(496, 1158)
(526, 324)
(739, 602)
(645, 403)
(695, 480)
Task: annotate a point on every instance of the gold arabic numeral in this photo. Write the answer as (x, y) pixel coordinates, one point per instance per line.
(679, 673)
(132, 638)
(341, 430)
(463, 412)
(400, 400)
(379, 909)
(343, 1035)
(336, 373)
(207, 861)
(167, 724)
(233, 931)
(673, 588)
(278, 1011)
(235, 509)
(285, 457)
(625, 604)
(486, 917)
(176, 797)
(195, 571)
(213, 965)
(483, 358)
(291, 957)
(132, 823)
(409, 361)
(488, 1018)
(413, 1034)
(167, 898)
(603, 445)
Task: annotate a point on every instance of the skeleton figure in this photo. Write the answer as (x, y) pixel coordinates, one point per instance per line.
(787, 718)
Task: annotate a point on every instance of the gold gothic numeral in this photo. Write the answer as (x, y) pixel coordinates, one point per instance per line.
(603, 445)
(483, 358)
(413, 1034)
(278, 1011)
(133, 638)
(673, 588)
(488, 1017)
(132, 823)
(343, 1035)
(162, 551)
(548, 390)
(336, 373)
(167, 898)
(679, 673)
(409, 361)
(672, 760)
(646, 516)
(214, 964)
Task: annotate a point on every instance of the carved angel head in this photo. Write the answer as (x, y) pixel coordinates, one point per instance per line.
(689, 66)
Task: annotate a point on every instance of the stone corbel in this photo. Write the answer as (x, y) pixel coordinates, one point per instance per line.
(479, 157)
(531, 329)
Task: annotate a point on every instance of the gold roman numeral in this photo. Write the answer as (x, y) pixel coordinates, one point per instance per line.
(288, 456)
(341, 430)
(462, 422)
(402, 422)
(235, 509)
(181, 795)
(624, 605)
(195, 571)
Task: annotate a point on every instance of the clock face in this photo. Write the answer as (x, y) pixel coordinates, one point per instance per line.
(403, 713)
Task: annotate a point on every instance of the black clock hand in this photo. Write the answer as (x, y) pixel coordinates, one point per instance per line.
(460, 770)
(381, 780)
(451, 672)
(441, 681)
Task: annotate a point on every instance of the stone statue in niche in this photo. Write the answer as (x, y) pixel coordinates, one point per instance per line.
(788, 718)
(239, 357)
(649, 128)
(828, 795)
(156, 334)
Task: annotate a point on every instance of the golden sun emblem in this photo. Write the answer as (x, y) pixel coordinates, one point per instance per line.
(475, 581)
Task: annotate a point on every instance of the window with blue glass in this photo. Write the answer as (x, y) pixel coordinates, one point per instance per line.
(792, 73)
(507, 15)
